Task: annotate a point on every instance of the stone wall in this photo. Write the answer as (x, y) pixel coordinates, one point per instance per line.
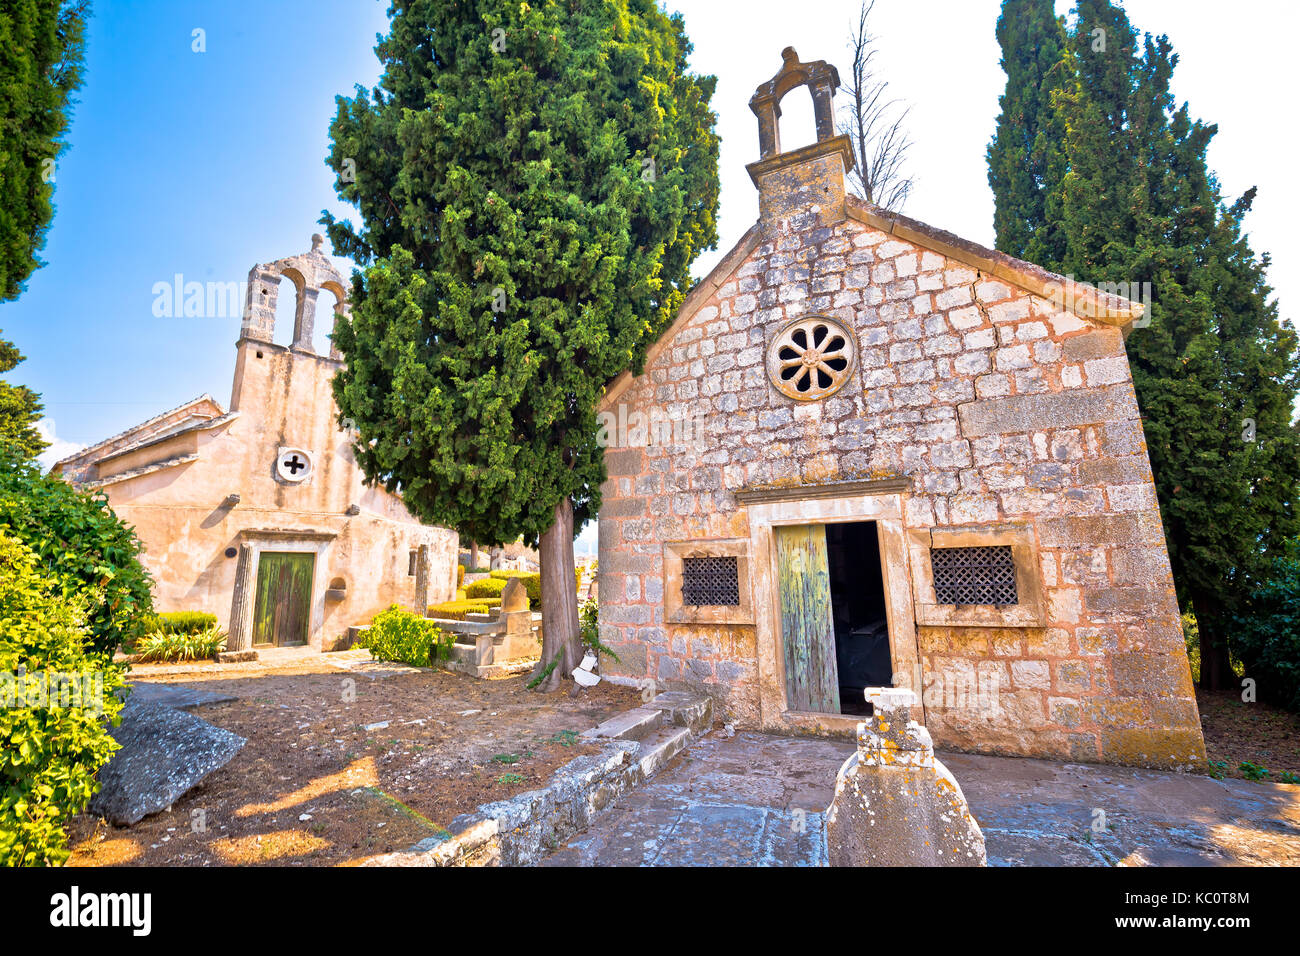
(1002, 408)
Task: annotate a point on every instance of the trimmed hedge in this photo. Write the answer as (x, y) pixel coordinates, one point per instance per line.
(532, 583)
(186, 622)
(485, 588)
(456, 610)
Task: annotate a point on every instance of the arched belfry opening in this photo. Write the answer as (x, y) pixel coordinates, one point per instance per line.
(285, 296)
(804, 186)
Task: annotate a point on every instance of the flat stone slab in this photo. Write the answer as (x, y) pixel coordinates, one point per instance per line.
(757, 800)
(178, 696)
(164, 753)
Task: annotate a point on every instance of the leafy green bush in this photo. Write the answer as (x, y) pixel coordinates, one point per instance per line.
(456, 610)
(52, 743)
(181, 645)
(486, 588)
(1267, 638)
(401, 635)
(91, 553)
(460, 576)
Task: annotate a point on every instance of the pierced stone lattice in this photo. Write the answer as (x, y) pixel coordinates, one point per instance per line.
(811, 358)
(966, 576)
(710, 581)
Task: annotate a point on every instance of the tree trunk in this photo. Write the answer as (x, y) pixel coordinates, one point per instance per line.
(1216, 668)
(559, 599)
(473, 555)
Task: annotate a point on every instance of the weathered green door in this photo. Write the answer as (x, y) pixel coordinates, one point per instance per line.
(807, 625)
(283, 606)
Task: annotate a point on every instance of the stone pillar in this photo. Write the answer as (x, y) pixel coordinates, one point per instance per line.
(259, 305)
(241, 607)
(894, 804)
(422, 580)
(824, 109)
(304, 319)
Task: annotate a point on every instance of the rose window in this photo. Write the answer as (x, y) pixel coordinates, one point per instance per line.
(811, 358)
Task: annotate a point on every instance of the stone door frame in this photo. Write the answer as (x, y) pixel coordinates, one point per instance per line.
(251, 545)
(794, 507)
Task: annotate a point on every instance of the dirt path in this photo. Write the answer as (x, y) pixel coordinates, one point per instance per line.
(342, 764)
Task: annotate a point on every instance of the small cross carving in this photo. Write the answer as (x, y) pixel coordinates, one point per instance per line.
(294, 464)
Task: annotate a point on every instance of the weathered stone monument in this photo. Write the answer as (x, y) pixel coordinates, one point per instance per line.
(895, 804)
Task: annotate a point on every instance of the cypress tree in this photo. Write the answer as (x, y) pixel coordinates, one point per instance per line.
(1216, 373)
(41, 47)
(534, 182)
(1026, 152)
(20, 408)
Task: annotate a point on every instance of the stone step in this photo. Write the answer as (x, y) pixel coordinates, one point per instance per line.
(661, 747)
(630, 725)
(693, 711)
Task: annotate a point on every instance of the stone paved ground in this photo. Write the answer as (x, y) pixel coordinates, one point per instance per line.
(755, 799)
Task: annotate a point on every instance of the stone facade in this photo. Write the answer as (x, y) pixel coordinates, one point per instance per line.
(210, 491)
(990, 403)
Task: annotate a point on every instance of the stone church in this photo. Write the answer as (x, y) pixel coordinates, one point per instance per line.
(259, 514)
(893, 457)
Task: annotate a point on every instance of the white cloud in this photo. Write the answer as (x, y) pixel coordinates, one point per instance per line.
(58, 447)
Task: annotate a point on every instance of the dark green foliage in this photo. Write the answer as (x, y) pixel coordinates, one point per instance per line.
(1217, 374)
(88, 550)
(51, 747)
(399, 635)
(1267, 634)
(531, 201)
(20, 408)
(41, 43)
(1026, 153)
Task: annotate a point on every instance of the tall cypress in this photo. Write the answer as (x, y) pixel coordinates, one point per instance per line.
(1216, 373)
(1026, 154)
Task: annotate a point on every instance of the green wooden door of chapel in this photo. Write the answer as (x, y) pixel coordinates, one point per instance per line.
(807, 625)
(283, 606)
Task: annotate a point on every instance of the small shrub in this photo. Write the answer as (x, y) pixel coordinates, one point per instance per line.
(1287, 776)
(186, 622)
(460, 576)
(485, 588)
(1252, 771)
(403, 636)
(1267, 637)
(181, 645)
(456, 610)
(51, 745)
(590, 629)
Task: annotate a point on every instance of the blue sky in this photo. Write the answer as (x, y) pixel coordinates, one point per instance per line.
(206, 163)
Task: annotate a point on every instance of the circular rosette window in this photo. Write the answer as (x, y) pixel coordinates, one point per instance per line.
(811, 357)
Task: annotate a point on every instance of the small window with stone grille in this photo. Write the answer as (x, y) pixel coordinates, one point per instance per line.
(974, 576)
(712, 582)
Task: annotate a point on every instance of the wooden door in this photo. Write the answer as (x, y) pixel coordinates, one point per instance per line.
(807, 625)
(283, 608)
